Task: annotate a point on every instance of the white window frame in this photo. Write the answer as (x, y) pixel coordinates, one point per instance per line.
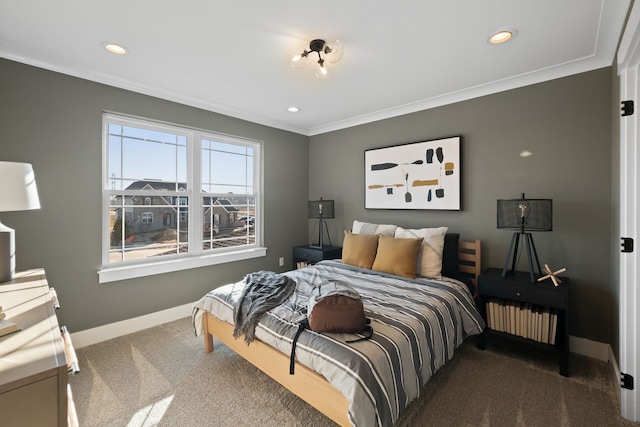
(196, 257)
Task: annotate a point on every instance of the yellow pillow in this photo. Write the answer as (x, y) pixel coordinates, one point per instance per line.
(397, 256)
(359, 249)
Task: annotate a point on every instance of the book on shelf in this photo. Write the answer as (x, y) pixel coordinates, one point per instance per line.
(518, 310)
(7, 327)
(553, 326)
(494, 314)
(538, 336)
(489, 310)
(545, 325)
(522, 312)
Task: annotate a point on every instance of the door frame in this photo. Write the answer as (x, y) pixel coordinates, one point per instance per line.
(629, 297)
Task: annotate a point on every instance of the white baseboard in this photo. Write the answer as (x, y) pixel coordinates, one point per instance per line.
(616, 375)
(593, 349)
(123, 327)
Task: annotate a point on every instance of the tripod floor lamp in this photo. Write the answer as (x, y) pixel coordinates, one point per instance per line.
(321, 210)
(524, 215)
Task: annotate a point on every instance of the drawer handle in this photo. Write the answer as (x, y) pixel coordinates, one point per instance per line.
(72, 360)
(54, 298)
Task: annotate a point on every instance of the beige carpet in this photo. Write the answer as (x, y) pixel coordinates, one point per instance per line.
(161, 376)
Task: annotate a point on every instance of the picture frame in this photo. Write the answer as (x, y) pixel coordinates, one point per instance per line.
(418, 175)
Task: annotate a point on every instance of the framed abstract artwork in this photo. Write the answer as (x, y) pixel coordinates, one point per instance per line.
(419, 175)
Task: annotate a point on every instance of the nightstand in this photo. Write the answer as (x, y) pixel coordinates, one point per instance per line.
(311, 255)
(518, 289)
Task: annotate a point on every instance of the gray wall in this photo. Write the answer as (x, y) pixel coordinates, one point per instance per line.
(566, 123)
(54, 122)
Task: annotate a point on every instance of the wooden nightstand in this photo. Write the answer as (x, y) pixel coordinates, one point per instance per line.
(311, 255)
(517, 288)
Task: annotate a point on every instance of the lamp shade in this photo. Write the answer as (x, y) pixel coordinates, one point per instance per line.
(525, 214)
(18, 191)
(321, 209)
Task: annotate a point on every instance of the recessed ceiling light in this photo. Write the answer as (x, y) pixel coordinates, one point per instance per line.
(293, 109)
(502, 36)
(116, 48)
(526, 153)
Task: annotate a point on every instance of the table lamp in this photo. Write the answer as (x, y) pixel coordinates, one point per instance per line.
(18, 192)
(524, 215)
(321, 210)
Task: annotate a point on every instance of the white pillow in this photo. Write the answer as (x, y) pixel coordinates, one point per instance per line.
(367, 228)
(429, 263)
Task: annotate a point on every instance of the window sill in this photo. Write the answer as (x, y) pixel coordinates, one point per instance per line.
(113, 274)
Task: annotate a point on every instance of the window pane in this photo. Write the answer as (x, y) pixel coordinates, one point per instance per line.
(228, 222)
(137, 154)
(227, 168)
(153, 227)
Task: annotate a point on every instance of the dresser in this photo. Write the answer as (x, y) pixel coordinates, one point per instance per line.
(35, 361)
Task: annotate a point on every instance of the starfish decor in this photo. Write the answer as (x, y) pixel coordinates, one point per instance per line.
(552, 275)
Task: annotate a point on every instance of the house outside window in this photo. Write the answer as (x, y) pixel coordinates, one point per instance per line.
(202, 183)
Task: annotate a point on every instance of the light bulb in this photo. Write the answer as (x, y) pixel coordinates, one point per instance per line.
(298, 56)
(333, 51)
(321, 72)
(298, 60)
(523, 210)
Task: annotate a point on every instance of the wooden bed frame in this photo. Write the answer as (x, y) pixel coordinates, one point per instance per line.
(310, 386)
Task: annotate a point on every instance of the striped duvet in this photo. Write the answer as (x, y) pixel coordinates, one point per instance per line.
(417, 326)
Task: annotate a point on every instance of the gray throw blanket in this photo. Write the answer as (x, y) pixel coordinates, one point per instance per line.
(262, 291)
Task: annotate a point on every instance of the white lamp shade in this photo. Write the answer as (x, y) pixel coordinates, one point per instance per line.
(18, 191)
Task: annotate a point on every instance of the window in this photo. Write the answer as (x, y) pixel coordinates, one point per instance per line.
(197, 183)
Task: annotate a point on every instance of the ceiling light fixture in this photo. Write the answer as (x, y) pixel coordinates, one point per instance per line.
(116, 48)
(327, 51)
(293, 109)
(502, 36)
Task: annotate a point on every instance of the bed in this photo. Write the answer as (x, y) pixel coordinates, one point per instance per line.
(418, 323)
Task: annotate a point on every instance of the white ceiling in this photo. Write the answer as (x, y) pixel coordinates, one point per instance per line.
(232, 57)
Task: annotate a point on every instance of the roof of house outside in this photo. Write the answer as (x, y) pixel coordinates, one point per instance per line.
(156, 185)
(170, 186)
